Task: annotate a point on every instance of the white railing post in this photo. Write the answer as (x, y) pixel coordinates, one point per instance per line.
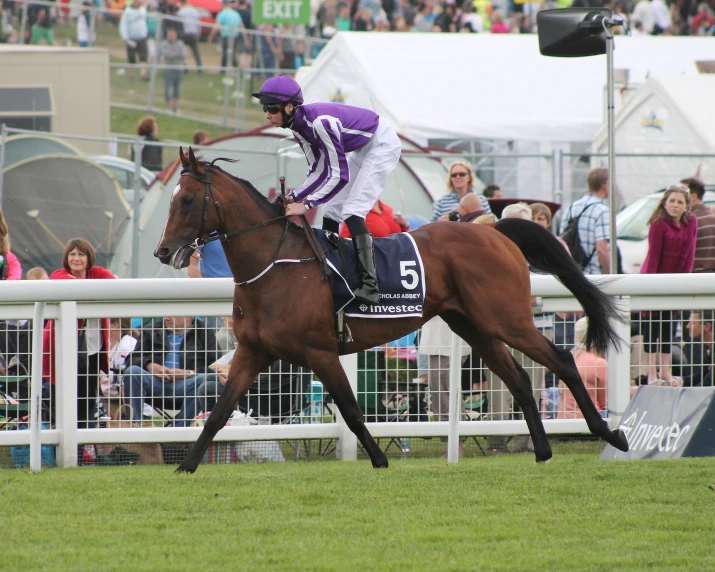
(36, 389)
(619, 368)
(455, 390)
(66, 383)
(346, 449)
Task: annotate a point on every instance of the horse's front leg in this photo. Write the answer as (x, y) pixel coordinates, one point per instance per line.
(326, 365)
(245, 367)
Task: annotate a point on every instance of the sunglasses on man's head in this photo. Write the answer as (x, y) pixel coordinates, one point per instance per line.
(273, 108)
(459, 174)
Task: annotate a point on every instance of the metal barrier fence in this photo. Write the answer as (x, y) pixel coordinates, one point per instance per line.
(401, 396)
(231, 71)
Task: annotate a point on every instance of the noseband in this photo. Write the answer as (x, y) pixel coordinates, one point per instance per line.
(208, 195)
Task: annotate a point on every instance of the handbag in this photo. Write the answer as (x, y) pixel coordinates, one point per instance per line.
(149, 453)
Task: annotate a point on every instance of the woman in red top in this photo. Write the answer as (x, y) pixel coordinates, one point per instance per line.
(671, 250)
(78, 260)
(381, 222)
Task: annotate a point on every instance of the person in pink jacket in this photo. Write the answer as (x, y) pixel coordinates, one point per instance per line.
(10, 267)
(593, 370)
(671, 250)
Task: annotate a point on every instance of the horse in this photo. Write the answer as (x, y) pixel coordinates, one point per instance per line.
(476, 276)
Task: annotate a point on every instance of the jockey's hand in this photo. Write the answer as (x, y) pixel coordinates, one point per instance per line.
(402, 221)
(296, 209)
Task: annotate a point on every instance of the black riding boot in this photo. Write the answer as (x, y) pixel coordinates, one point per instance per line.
(330, 225)
(365, 252)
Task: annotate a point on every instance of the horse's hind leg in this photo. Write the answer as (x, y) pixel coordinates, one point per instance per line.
(245, 367)
(562, 364)
(498, 359)
(329, 370)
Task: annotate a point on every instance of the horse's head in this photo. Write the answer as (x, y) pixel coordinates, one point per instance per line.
(192, 213)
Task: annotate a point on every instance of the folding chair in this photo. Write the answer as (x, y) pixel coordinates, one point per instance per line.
(12, 405)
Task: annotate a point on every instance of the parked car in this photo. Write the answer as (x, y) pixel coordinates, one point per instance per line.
(123, 171)
(632, 225)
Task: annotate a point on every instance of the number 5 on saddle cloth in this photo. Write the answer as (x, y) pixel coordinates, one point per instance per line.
(400, 276)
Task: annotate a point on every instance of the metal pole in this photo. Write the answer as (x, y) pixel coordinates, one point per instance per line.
(3, 140)
(36, 388)
(228, 81)
(136, 209)
(23, 24)
(92, 27)
(619, 362)
(239, 99)
(66, 386)
(346, 448)
(455, 389)
(555, 188)
(152, 77)
(611, 155)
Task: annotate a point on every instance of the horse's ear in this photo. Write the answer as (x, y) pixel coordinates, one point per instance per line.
(192, 160)
(184, 158)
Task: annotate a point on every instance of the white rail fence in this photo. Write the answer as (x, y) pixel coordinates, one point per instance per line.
(67, 301)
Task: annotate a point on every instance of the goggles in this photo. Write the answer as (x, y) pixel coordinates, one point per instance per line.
(273, 108)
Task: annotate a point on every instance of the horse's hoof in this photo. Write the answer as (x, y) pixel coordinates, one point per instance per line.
(184, 469)
(381, 464)
(543, 458)
(619, 441)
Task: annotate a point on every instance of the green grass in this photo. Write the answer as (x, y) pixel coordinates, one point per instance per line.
(202, 96)
(489, 513)
(173, 128)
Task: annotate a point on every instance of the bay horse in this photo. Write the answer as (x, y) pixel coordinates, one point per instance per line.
(477, 280)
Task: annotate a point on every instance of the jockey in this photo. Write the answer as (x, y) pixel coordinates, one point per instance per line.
(350, 151)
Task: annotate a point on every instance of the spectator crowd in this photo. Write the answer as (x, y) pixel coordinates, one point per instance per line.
(284, 46)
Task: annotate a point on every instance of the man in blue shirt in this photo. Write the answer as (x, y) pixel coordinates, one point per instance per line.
(168, 366)
(231, 27)
(213, 264)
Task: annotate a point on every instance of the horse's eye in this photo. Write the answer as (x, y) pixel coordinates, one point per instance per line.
(186, 200)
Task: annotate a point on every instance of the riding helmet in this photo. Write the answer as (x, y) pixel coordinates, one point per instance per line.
(280, 89)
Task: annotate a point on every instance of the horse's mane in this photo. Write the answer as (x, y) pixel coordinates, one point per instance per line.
(261, 199)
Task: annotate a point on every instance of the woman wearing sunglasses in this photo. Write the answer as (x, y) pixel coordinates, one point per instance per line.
(351, 151)
(460, 181)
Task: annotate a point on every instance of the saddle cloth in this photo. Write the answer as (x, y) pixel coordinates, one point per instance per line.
(400, 276)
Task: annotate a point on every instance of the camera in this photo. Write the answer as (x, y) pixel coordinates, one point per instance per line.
(454, 216)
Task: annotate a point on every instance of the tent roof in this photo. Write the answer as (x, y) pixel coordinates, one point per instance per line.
(485, 86)
(688, 96)
(73, 196)
(21, 147)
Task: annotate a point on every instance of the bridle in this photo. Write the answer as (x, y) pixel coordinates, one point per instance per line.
(209, 195)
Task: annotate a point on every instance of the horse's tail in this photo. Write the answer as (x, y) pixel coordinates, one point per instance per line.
(547, 255)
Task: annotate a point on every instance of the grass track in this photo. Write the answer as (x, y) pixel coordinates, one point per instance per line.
(494, 513)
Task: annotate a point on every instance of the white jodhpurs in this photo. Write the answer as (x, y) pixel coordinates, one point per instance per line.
(369, 168)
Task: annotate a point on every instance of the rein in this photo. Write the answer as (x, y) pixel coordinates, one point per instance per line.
(224, 237)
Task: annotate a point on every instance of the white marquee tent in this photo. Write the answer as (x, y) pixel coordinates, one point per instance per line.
(494, 88)
(665, 116)
(486, 86)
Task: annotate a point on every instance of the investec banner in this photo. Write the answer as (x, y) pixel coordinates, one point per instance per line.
(666, 422)
(281, 11)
